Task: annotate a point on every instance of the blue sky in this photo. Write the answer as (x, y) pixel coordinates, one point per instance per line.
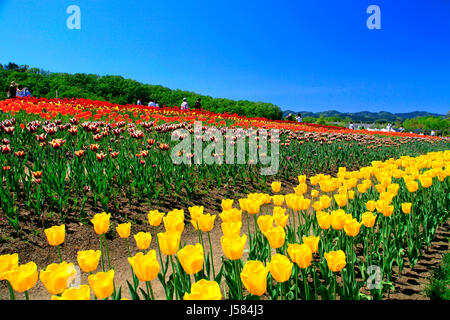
(301, 55)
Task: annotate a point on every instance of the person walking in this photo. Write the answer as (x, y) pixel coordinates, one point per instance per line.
(139, 103)
(184, 105)
(299, 118)
(152, 103)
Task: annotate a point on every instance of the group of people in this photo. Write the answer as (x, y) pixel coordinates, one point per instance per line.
(17, 91)
(298, 117)
(184, 105)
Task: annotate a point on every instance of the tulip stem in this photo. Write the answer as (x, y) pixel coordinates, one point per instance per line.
(149, 288)
(26, 296)
(59, 253)
(305, 284)
(248, 230)
(212, 259)
(296, 282)
(335, 285)
(159, 251)
(174, 274)
(101, 250)
(11, 292)
(238, 278)
(107, 251)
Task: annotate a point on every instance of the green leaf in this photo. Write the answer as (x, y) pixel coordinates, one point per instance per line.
(133, 293)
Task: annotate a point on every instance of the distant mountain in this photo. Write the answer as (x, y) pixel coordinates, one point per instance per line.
(364, 116)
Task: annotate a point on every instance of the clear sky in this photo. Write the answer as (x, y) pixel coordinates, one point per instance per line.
(301, 55)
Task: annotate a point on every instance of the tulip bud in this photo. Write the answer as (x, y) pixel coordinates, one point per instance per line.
(254, 277)
(280, 268)
(81, 293)
(204, 290)
(145, 267)
(102, 284)
(22, 278)
(124, 230)
(88, 260)
(143, 240)
(191, 258)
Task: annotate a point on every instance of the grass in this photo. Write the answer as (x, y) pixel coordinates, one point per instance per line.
(439, 287)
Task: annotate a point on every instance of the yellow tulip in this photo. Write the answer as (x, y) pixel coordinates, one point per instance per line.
(338, 219)
(265, 223)
(280, 268)
(351, 194)
(145, 266)
(336, 260)
(341, 199)
(371, 205)
(206, 222)
(280, 217)
(204, 290)
(300, 254)
(324, 220)
(302, 179)
(254, 277)
(290, 199)
(191, 258)
(88, 260)
(102, 284)
(352, 227)
(368, 219)
(57, 277)
(276, 186)
(124, 230)
(406, 207)
(143, 240)
(155, 217)
(233, 246)
(314, 193)
(276, 237)
(232, 215)
(174, 221)
(7, 263)
(169, 242)
(361, 188)
(81, 293)
(195, 212)
(317, 206)
(325, 201)
(425, 181)
(101, 223)
(253, 207)
(301, 189)
(300, 203)
(227, 204)
(231, 228)
(412, 186)
(55, 235)
(278, 200)
(312, 242)
(242, 204)
(22, 278)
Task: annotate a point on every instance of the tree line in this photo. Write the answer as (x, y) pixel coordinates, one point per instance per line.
(117, 89)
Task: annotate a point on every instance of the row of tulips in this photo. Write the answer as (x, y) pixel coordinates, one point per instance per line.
(61, 165)
(321, 246)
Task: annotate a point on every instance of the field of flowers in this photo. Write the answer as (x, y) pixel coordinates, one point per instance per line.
(344, 208)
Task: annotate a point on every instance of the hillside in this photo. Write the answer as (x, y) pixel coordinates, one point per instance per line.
(365, 116)
(117, 89)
